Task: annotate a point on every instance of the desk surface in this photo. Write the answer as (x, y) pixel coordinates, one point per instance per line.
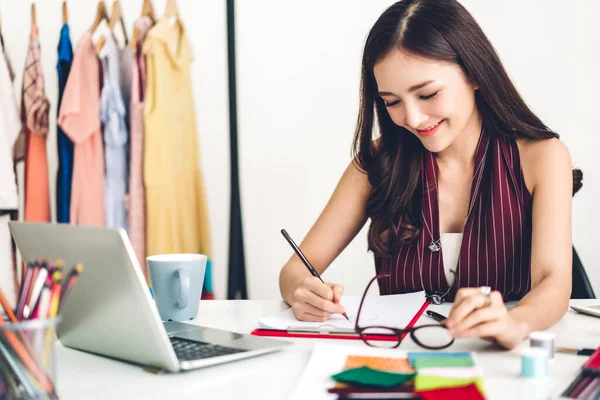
(274, 376)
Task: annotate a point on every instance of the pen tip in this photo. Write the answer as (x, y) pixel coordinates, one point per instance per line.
(346, 315)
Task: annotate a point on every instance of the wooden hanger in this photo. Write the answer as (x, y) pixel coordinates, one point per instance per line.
(33, 15)
(147, 11)
(171, 9)
(100, 44)
(116, 15)
(1, 37)
(101, 14)
(65, 12)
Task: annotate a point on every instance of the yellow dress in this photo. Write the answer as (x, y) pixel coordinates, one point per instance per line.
(176, 211)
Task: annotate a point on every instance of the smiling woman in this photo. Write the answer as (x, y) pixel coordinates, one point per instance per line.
(459, 153)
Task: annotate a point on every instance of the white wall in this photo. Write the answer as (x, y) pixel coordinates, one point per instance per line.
(206, 27)
(298, 76)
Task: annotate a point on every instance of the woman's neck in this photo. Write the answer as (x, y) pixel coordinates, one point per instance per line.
(462, 150)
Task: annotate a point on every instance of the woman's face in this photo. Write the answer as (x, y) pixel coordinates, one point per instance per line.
(432, 99)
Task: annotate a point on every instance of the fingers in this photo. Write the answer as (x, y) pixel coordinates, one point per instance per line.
(464, 294)
(491, 329)
(320, 303)
(475, 318)
(460, 310)
(313, 300)
(503, 331)
(338, 291)
(467, 301)
(319, 288)
(307, 312)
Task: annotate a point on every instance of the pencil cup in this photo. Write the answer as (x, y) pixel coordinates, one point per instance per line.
(27, 365)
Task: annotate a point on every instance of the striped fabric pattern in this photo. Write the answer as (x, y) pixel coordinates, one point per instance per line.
(496, 245)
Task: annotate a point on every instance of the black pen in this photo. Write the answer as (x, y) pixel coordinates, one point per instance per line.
(304, 260)
(436, 316)
(579, 352)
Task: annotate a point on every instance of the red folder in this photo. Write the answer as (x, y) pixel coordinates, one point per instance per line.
(352, 336)
(593, 363)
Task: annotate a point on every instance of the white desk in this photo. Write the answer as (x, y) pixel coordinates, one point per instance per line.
(274, 376)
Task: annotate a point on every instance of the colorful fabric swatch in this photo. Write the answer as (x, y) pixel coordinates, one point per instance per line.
(381, 363)
(428, 382)
(365, 376)
(469, 392)
(473, 372)
(444, 362)
(436, 354)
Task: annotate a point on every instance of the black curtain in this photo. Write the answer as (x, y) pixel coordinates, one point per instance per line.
(236, 284)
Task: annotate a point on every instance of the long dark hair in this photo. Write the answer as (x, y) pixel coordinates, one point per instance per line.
(440, 30)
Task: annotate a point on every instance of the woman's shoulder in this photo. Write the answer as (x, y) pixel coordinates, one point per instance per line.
(540, 151)
(541, 159)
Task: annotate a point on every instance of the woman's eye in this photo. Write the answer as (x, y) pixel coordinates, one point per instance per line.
(429, 96)
(391, 103)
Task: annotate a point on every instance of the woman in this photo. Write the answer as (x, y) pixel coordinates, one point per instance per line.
(465, 187)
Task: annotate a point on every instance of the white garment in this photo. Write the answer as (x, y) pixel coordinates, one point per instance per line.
(10, 125)
(451, 243)
(7, 277)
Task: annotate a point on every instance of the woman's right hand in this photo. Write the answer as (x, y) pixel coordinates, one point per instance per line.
(313, 300)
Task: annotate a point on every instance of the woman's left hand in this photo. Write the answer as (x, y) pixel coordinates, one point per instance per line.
(471, 317)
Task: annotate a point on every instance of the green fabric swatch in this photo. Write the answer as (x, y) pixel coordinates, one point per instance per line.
(413, 355)
(443, 362)
(425, 382)
(366, 376)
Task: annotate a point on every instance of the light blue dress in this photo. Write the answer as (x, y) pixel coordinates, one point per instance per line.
(114, 129)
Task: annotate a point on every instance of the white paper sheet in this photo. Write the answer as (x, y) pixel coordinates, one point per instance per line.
(327, 360)
(393, 310)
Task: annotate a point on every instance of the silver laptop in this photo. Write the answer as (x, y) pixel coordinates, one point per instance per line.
(110, 310)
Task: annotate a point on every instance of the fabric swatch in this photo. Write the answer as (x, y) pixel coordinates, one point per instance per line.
(469, 392)
(436, 354)
(443, 362)
(366, 376)
(379, 363)
(427, 382)
(462, 372)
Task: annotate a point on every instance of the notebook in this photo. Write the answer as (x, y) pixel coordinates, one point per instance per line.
(397, 311)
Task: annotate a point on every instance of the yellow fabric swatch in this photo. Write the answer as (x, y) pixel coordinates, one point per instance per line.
(426, 382)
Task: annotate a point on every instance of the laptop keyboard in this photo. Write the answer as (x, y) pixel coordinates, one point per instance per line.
(188, 350)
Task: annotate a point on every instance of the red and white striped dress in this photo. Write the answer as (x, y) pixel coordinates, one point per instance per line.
(496, 244)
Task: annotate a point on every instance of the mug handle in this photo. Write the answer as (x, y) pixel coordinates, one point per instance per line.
(184, 284)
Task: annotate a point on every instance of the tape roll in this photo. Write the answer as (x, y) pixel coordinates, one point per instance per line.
(544, 340)
(534, 362)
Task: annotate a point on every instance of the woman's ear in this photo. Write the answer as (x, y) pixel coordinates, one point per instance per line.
(472, 83)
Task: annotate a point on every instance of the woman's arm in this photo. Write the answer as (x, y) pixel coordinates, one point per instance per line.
(551, 247)
(547, 170)
(343, 217)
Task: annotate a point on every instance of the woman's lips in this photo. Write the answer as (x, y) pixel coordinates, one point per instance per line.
(431, 130)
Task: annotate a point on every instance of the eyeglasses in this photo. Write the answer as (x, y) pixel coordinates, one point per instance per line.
(431, 336)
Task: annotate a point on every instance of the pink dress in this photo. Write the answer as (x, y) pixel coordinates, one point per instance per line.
(137, 202)
(79, 117)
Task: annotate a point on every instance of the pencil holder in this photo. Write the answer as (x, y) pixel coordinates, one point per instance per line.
(27, 365)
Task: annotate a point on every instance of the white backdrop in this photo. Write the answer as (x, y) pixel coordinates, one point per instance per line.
(298, 77)
(298, 73)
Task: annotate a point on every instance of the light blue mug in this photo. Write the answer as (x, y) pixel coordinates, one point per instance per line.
(177, 284)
